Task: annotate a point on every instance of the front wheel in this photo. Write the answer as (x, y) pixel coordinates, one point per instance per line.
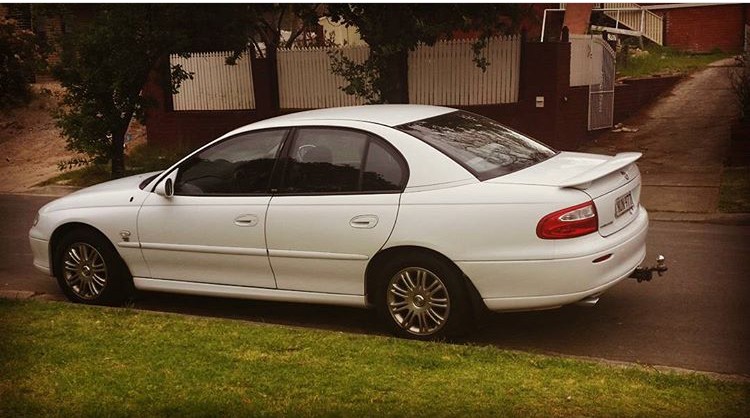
(423, 298)
(90, 271)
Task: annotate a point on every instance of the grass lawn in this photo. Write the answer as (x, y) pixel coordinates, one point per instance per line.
(664, 60)
(734, 195)
(142, 159)
(67, 360)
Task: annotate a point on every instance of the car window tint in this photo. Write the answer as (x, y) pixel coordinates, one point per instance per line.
(382, 171)
(236, 166)
(325, 160)
(483, 146)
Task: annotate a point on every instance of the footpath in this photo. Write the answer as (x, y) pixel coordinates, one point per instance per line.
(684, 137)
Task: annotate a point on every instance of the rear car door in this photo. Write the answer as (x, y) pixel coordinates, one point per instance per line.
(335, 207)
(213, 229)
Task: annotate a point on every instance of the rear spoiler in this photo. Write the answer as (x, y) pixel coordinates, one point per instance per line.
(617, 162)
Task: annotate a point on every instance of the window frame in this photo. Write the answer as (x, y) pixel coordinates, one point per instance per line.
(268, 191)
(280, 168)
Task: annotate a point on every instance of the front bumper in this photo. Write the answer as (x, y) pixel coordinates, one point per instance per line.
(40, 250)
(543, 284)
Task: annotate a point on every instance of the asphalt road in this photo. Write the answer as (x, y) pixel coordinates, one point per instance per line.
(696, 317)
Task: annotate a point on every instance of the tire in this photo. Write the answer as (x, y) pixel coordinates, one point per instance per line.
(90, 271)
(423, 298)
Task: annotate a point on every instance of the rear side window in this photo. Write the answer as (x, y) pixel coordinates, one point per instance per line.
(484, 147)
(334, 160)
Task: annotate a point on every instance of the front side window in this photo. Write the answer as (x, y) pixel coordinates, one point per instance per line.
(484, 147)
(237, 166)
(331, 160)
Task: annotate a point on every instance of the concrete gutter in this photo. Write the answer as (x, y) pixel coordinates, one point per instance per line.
(739, 219)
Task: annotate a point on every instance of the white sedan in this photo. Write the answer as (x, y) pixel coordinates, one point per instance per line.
(425, 213)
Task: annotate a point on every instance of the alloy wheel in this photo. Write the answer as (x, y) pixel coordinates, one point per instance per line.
(418, 301)
(84, 270)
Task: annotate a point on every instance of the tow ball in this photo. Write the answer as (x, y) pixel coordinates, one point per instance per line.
(645, 274)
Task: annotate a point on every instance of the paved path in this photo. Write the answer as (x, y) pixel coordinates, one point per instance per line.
(684, 138)
(695, 317)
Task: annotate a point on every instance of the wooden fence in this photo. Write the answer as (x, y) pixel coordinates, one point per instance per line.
(306, 80)
(215, 85)
(445, 74)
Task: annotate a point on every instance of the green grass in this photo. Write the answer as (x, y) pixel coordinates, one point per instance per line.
(141, 159)
(734, 195)
(664, 60)
(61, 359)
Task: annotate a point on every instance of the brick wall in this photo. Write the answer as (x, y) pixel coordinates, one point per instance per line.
(703, 29)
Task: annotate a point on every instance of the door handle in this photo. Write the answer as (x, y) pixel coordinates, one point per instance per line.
(246, 220)
(364, 221)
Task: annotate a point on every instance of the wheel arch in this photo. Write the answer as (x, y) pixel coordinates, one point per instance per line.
(371, 282)
(65, 229)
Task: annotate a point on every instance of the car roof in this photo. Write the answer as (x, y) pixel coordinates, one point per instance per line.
(385, 114)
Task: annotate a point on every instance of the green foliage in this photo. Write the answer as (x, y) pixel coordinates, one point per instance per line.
(106, 62)
(81, 172)
(60, 359)
(392, 30)
(20, 55)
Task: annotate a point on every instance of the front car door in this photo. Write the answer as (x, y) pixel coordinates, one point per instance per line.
(335, 207)
(213, 229)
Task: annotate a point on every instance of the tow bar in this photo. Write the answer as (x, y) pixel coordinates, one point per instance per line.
(645, 274)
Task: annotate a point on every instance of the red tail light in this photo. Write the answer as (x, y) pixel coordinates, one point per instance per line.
(571, 222)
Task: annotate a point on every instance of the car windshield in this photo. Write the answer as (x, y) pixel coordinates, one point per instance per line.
(484, 147)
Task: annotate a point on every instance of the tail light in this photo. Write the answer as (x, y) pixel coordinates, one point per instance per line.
(571, 222)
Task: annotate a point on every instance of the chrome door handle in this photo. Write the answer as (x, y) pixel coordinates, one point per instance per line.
(246, 220)
(364, 221)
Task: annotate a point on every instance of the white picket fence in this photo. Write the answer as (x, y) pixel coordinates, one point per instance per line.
(215, 85)
(445, 74)
(306, 80)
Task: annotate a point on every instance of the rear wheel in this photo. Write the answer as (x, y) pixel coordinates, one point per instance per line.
(423, 298)
(89, 270)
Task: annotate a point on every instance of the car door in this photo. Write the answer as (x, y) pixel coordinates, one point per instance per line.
(213, 229)
(335, 207)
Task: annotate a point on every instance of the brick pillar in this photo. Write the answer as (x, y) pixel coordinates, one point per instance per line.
(545, 74)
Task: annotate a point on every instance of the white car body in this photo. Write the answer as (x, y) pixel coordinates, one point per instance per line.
(317, 248)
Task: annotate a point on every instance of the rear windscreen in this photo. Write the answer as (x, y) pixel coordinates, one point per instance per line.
(484, 147)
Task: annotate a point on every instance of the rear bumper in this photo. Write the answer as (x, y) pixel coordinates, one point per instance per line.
(40, 250)
(543, 284)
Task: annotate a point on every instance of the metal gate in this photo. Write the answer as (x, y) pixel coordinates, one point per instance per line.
(601, 85)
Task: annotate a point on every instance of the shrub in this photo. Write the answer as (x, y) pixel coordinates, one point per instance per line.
(19, 57)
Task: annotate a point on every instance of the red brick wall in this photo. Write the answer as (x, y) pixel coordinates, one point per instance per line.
(703, 29)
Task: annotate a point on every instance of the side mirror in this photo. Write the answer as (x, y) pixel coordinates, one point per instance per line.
(166, 186)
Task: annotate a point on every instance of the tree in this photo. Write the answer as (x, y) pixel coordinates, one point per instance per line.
(392, 30)
(106, 61)
(20, 55)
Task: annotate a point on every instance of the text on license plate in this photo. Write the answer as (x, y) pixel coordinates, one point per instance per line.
(623, 204)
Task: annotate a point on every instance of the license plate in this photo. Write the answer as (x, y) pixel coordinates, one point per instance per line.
(623, 204)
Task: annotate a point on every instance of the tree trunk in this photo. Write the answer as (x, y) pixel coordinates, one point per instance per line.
(394, 82)
(118, 155)
(118, 147)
